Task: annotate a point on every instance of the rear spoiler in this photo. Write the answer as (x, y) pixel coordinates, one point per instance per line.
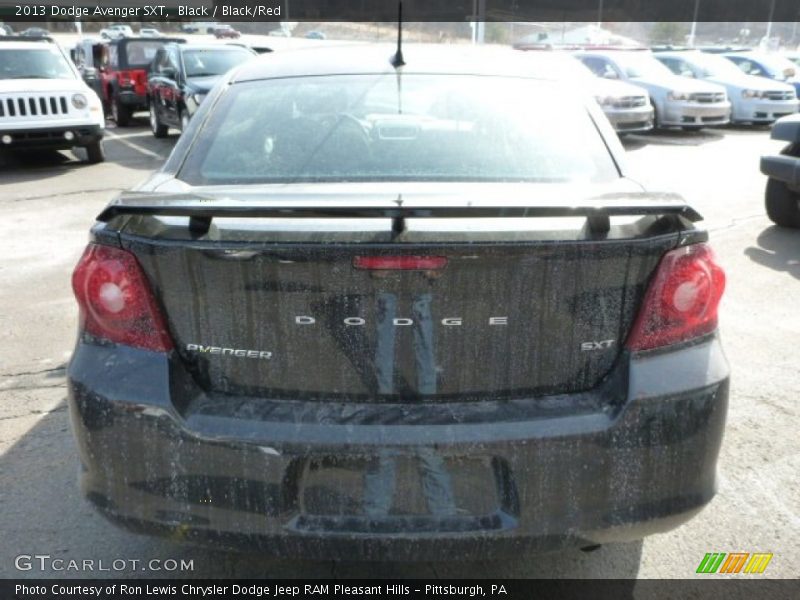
(202, 209)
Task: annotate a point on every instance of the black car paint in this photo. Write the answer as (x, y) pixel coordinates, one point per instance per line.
(632, 453)
(173, 94)
(251, 291)
(634, 456)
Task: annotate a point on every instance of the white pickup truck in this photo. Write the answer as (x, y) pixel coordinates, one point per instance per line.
(44, 103)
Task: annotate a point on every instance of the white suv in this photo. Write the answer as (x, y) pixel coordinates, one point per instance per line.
(44, 103)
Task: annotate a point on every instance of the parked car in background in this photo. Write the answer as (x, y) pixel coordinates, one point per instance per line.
(44, 103)
(6, 29)
(716, 49)
(224, 31)
(124, 75)
(782, 195)
(122, 30)
(257, 47)
(753, 99)
(88, 58)
(190, 27)
(181, 76)
(149, 32)
(315, 35)
(627, 106)
(768, 65)
(792, 55)
(110, 34)
(678, 101)
(348, 320)
(35, 32)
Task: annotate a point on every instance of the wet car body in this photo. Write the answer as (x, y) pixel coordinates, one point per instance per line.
(678, 102)
(369, 400)
(753, 99)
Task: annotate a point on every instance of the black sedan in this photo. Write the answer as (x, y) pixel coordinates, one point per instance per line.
(180, 77)
(380, 306)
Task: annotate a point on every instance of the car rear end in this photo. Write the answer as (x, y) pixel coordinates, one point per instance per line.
(134, 58)
(386, 369)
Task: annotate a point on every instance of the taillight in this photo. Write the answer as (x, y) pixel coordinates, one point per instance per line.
(116, 301)
(682, 299)
(126, 78)
(400, 263)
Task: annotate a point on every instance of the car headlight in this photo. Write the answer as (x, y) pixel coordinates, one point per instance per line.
(677, 96)
(605, 100)
(79, 101)
(752, 94)
(198, 98)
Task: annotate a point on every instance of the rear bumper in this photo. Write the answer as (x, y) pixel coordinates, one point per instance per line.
(51, 137)
(132, 99)
(634, 457)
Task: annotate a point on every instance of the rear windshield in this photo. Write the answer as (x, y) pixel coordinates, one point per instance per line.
(38, 63)
(777, 66)
(389, 128)
(714, 65)
(140, 53)
(644, 65)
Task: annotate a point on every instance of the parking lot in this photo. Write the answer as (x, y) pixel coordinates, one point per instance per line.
(49, 200)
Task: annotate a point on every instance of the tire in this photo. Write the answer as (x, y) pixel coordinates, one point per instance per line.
(656, 117)
(157, 127)
(120, 113)
(95, 153)
(782, 204)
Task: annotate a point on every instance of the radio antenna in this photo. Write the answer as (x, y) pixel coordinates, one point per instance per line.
(397, 59)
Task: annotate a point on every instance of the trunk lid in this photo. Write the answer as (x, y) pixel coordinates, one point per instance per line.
(279, 308)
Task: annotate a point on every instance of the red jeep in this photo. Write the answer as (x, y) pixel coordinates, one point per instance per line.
(123, 75)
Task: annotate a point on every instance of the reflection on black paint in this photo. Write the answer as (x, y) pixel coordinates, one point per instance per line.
(380, 478)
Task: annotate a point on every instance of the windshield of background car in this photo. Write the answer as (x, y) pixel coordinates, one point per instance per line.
(560, 66)
(140, 53)
(712, 65)
(642, 65)
(778, 66)
(30, 63)
(389, 128)
(205, 63)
